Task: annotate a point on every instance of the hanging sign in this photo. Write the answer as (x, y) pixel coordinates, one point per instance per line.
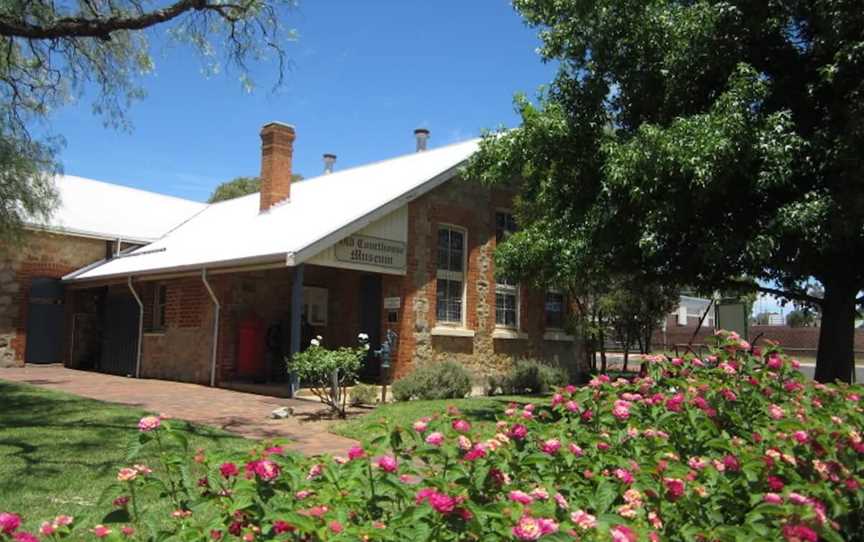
(392, 302)
(371, 251)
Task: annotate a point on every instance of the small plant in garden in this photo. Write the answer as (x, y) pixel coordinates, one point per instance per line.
(442, 380)
(328, 373)
(732, 446)
(364, 394)
(527, 376)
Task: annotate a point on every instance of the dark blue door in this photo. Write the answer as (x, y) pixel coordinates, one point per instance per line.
(45, 322)
(119, 335)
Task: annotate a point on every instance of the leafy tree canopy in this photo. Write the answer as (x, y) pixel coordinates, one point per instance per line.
(53, 51)
(240, 186)
(697, 142)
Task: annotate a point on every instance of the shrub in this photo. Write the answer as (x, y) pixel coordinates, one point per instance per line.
(444, 380)
(730, 446)
(364, 394)
(327, 373)
(527, 376)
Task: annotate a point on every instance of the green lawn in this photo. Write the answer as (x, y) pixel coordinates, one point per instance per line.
(58, 452)
(480, 411)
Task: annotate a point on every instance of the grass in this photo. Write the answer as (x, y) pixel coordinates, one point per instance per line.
(480, 411)
(58, 452)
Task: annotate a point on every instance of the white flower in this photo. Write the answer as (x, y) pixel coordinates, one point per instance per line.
(366, 346)
(315, 342)
(363, 337)
(319, 337)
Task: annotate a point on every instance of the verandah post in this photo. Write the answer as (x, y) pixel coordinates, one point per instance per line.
(296, 315)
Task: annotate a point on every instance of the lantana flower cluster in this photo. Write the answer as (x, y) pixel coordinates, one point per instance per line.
(732, 445)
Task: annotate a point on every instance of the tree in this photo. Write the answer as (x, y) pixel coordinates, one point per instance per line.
(800, 318)
(712, 143)
(53, 51)
(241, 186)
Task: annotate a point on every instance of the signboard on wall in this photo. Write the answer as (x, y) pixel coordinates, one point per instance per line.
(392, 302)
(371, 251)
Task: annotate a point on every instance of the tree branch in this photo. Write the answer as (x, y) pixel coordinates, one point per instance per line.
(86, 27)
(798, 296)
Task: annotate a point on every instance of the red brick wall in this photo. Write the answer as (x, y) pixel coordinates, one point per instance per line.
(39, 255)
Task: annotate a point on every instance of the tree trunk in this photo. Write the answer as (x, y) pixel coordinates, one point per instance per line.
(835, 359)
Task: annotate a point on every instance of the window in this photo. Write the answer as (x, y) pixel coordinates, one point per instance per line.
(450, 286)
(554, 310)
(506, 290)
(315, 305)
(160, 300)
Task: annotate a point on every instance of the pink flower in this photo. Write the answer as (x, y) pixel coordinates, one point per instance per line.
(776, 412)
(674, 403)
(263, 469)
(126, 474)
(624, 475)
(435, 439)
(461, 426)
(539, 493)
(774, 362)
(303, 494)
(621, 409)
(335, 527)
(603, 446)
(128, 530)
(622, 533)
(731, 463)
(281, 526)
(228, 470)
(728, 394)
(797, 498)
(387, 463)
(100, 531)
(674, 488)
(63, 520)
(520, 496)
(9, 522)
(315, 471)
(800, 437)
(776, 483)
(572, 406)
(583, 519)
(529, 528)
(772, 498)
(799, 533)
(24, 536)
(550, 446)
(47, 528)
(441, 503)
(576, 450)
(355, 452)
(149, 423)
(475, 453)
(557, 399)
(518, 432)
(420, 426)
(561, 501)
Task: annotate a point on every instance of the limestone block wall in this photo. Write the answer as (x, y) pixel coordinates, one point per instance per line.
(39, 254)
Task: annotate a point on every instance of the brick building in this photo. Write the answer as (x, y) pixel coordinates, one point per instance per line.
(403, 246)
(93, 222)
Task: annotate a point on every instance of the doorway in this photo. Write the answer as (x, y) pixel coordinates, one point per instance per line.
(44, 321)
(370, 324)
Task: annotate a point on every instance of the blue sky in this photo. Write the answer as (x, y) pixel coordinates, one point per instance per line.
(363, 76)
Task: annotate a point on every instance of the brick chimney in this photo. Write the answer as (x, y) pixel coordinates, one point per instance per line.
(277, 148)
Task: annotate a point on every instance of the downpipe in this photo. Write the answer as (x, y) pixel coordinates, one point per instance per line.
(140, 326)
(217, 309)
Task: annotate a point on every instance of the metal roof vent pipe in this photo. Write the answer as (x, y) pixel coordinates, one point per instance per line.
(422, 135)
(329, 162)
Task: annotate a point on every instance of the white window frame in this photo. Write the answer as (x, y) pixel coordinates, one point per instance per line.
(315, 297)
(446, 274)
(159, 308)
(514, 289)
(554, 291)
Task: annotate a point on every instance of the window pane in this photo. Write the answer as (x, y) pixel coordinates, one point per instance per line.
(457, 240)
(554, 310)
(448, 300)
(505, 309)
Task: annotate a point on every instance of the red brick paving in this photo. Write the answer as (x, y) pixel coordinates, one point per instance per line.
(238, 412)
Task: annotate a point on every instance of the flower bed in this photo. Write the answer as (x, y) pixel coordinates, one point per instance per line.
(733, 446)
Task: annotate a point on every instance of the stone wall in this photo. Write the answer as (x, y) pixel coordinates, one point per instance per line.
(473, 208)
(39, 254)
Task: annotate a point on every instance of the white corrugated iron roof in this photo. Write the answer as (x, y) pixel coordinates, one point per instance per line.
(110, 211)
(320, 212)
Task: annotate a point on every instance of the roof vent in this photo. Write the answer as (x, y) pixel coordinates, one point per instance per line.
(329, 161)
(422, 135)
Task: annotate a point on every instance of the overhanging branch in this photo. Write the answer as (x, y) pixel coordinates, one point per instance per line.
(797, 296)
(89, 27)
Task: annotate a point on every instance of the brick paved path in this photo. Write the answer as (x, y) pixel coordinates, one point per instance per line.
(242, 413)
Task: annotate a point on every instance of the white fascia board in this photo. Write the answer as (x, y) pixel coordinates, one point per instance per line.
(88, 234)
(300, 256)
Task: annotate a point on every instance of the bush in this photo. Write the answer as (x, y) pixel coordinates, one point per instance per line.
(327, 373)
(730, 446)
(364, 394)
(527, 376)
(444, 380)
